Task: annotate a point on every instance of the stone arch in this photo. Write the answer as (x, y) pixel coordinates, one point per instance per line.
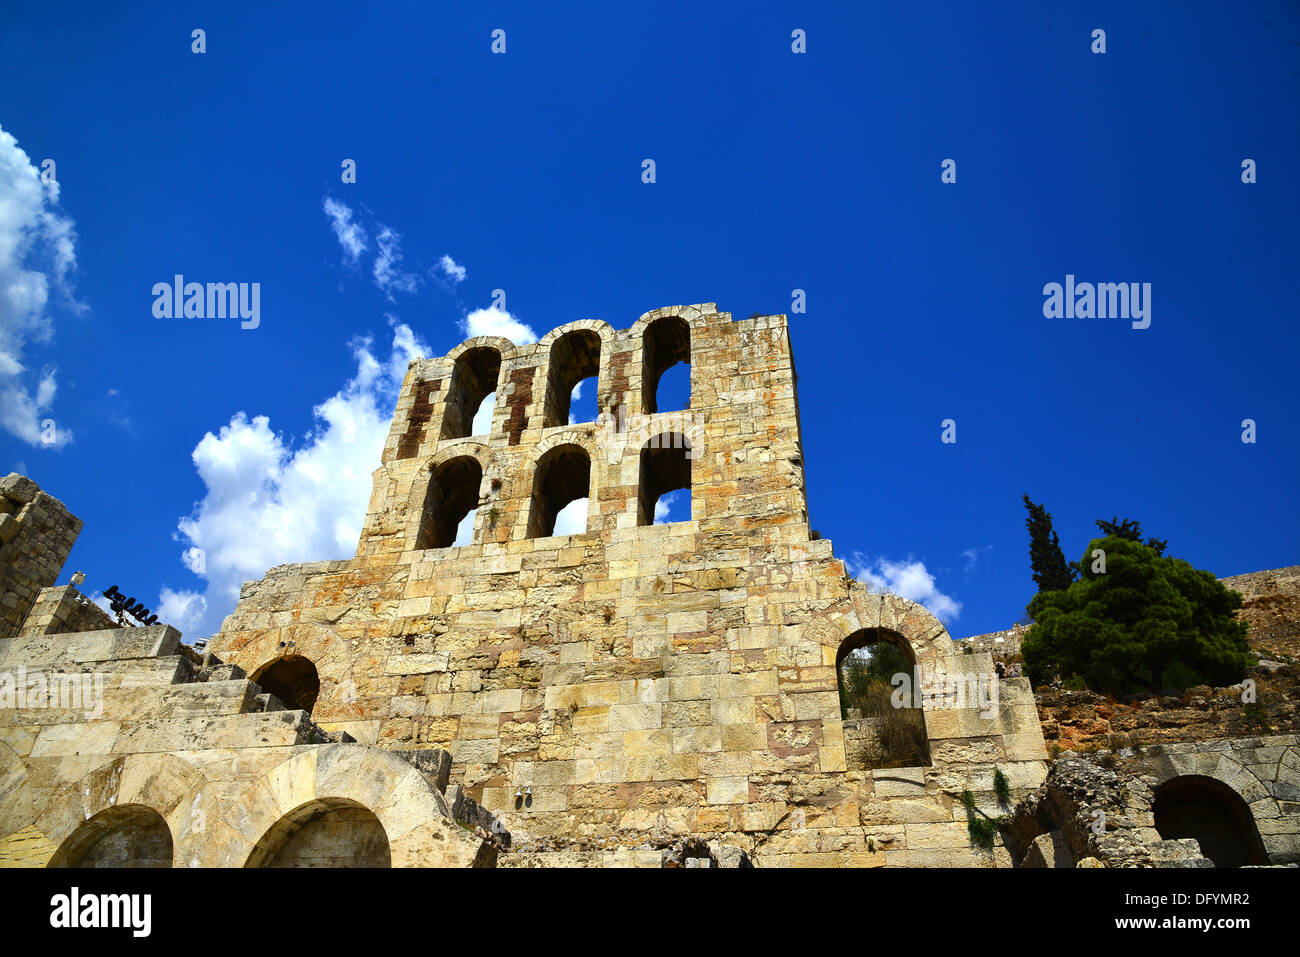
(163, 783)
(501, 344)
(412, 811)
(691, 314)
(324, 832)
(664, 466)
(1211, 811)
(453, 490)
(926, 635)
(292, 678)
(666, 341)
(561, 474)
(600, 327)
(866, 637)
(1261, 797)
(126, 835)
(475, 375)
(575, 351)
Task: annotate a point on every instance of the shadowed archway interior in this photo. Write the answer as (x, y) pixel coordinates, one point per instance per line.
(293, 680)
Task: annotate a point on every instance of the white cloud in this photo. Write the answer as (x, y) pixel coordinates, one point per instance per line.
(972, 556)
(663, 508)
(572, 519)
(497, 322)
(270, 500)
(908, 579)
(184, 610)
(351, 236)
(37, 256)
(452, 269)
(465, 530)
(386, 270)
(387, 276)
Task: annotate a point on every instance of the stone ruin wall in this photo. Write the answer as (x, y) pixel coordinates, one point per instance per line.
(635, 683)
(172, 760)
(633, 695)
(36, 534)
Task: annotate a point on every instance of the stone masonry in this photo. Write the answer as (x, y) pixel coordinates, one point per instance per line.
(633, 684)
(632, 694)
(36, 534)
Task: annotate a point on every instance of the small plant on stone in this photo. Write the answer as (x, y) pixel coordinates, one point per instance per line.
(493, 514)
(981, 829)
(1001, 786)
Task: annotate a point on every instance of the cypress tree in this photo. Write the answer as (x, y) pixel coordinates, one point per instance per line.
(1051, 571)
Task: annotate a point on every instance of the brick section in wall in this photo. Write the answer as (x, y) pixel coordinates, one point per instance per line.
(521, 393)
(421, 411)
(618, 381)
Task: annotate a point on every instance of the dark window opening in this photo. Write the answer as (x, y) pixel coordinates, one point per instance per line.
(1205, 808)
(452, 497)
(667, 342)
(563, 476)
(473, 380)
(293, 680)
(575, 356)
(665, 469)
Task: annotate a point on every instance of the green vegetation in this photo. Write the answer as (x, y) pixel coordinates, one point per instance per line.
(1001, 786)
(1051, 571)
(864, 679)
(1136, 620)
(981, 828)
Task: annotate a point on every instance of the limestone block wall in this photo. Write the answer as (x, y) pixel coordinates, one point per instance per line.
(64, 609)
(118, 749)
(632, 683)
(36, 534)
(1229, 802)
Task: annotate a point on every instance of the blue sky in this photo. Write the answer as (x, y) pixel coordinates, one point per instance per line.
(775, 171)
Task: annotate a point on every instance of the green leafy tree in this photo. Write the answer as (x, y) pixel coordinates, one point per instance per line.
(1123, 628)
(1131, 530)
(1051, 571)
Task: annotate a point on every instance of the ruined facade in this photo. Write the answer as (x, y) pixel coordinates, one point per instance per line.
(614, 696)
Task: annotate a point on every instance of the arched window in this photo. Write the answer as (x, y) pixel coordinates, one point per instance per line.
(332, 832)
(876, 734)
(563, 478)
(1205, 808)
(667, 342)
(665, 471)
(575, 356)
(473, 382)
(450, 503)
(130, 835)
(291, 679)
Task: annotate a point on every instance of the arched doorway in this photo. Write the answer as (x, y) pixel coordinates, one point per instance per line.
(131, 835)
(1205, 808)
(331, 832)
(292, 679)
(876, 733)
